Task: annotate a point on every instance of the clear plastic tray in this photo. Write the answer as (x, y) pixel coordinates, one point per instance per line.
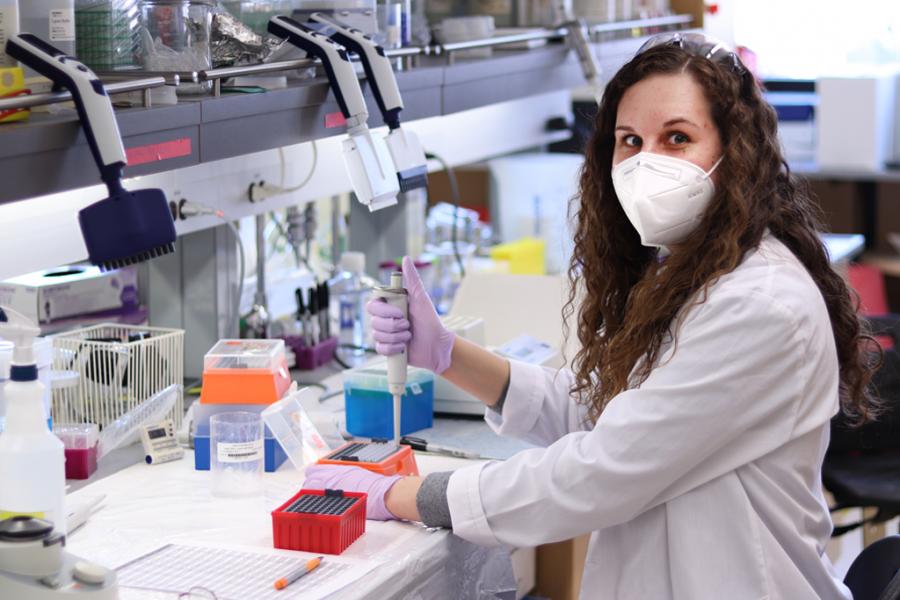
(151, 410)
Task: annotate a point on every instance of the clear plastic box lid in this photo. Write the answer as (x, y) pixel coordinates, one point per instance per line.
(245, 354)
(78, 436)
(294, 430)
(374, 377)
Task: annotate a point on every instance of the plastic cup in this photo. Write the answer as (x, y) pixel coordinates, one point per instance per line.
(236, 455)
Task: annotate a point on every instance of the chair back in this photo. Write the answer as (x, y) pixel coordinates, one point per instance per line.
(875, 574)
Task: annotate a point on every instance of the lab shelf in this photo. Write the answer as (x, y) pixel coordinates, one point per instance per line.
(243, 123)
(48, 153)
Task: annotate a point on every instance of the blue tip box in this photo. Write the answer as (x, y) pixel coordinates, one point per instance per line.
(274, 456)
(370, 406)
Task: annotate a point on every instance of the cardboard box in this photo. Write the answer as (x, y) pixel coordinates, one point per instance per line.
(560, 567)
(53, 294)
(474, 183)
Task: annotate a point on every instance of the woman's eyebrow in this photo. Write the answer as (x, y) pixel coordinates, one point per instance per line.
(624, 128)
(679, 120)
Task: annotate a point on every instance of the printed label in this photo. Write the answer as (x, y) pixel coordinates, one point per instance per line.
(347, 310)
(62, 25)
(8, 25)
(416, 388)
(239, 452)
(140, 155)
(335, 119)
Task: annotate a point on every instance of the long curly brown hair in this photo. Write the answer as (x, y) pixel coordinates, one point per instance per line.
(627, 305)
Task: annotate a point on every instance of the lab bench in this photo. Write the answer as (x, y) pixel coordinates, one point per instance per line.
(147, 507)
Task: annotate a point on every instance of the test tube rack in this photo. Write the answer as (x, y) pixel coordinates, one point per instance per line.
(323, 521)
(384, 458)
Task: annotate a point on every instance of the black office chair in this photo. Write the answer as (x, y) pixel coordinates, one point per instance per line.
(875, 574)
(862, 465)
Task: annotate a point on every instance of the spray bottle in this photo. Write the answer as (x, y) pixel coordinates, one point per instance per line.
(32, 459)
(396, 295)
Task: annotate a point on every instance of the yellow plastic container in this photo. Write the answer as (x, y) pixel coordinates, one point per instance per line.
(525, 256)
(12, 83)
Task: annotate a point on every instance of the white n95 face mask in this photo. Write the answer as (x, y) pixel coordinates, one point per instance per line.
(663, 197)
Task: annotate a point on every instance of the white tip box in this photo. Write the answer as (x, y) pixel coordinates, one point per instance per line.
(856, 120)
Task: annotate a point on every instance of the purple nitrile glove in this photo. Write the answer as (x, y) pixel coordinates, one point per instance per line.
(430, 344)
(354, 479)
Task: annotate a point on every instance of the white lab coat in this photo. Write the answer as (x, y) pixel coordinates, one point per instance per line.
(705, 482)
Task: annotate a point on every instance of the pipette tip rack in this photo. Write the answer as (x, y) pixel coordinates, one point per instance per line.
(382, 457)
(325, 521)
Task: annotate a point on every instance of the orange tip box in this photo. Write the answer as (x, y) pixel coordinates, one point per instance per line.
(384, 458)
(245, 372)
(326, 521)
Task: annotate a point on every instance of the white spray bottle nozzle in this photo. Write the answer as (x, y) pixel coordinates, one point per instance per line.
(21, 331)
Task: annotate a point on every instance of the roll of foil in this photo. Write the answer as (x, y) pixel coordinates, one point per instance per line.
(233, 43)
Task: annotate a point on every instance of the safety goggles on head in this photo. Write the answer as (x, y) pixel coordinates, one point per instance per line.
(698, 44)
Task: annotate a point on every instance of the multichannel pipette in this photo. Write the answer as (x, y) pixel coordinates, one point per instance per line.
(396, 295)
(366, 156)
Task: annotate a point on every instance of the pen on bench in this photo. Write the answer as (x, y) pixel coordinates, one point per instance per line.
(299, 573)
(425, 446)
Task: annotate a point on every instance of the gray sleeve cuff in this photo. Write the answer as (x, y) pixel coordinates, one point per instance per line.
(431, 500)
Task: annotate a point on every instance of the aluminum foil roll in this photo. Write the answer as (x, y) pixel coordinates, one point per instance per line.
(233, 43)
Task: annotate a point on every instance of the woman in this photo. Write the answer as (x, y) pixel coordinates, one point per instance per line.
(716, 345)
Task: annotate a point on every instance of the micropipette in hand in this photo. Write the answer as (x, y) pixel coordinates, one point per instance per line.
(395, 295)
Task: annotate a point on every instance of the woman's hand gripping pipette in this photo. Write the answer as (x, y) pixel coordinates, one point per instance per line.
(396, 296)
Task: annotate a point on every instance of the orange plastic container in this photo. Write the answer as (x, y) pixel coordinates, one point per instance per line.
(319, 529)
(354, 454)
(245, 372)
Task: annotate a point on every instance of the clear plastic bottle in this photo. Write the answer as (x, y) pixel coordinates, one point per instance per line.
(9, 26)
(349, 291)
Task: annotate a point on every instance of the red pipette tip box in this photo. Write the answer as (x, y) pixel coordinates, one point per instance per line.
(325, 521)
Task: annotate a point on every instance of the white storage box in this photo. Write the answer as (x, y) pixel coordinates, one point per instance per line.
(855, 121)
(46, 296)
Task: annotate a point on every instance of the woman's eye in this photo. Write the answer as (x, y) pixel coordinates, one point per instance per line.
(631, 140)
(678, 139)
